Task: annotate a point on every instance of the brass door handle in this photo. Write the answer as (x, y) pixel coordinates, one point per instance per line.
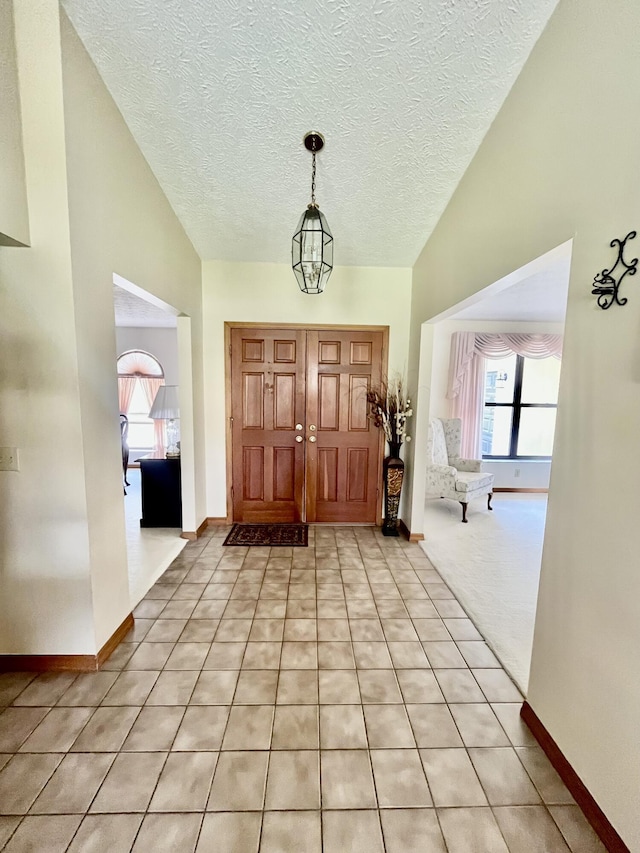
(299, 438)
(312, 438)
(299, 427)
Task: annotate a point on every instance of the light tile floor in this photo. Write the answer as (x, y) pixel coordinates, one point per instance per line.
(333, 698)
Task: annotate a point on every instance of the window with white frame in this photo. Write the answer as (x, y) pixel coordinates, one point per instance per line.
(520, 402)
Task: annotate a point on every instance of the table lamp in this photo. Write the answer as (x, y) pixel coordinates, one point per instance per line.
(166, 407)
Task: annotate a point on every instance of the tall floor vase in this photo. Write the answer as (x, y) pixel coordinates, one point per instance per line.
(393, 473)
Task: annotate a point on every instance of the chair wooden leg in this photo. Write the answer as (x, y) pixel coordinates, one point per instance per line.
(464, 512)
(489, 496)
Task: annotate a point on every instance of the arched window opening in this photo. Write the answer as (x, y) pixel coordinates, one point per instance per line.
(140, 375)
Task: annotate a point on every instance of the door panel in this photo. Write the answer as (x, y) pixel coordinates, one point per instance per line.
(267, 393)
(284, 474)
(327, 486)
(357, 466)
(343, 464)
(328, 402)
(253, 396)
(284, 397)
(358, 408)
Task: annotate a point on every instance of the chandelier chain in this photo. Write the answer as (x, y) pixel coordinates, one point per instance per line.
(313, 180)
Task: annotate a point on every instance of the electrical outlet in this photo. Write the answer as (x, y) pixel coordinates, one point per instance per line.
(516, 473)
(9, 460)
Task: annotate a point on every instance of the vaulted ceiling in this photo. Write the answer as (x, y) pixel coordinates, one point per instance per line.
(218, 96)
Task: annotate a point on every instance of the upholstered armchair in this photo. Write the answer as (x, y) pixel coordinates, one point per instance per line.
(450, 476)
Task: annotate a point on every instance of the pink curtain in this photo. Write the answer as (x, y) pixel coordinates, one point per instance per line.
(466, 374)
(467, 405)
(150, 388)
(126, 384)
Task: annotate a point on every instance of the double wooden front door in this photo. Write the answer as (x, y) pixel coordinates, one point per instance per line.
(303, 448)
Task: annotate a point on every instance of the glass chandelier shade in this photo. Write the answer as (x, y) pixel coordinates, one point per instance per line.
(312, 251)
(312, 244)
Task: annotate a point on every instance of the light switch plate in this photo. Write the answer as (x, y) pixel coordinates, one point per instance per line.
(9, 460)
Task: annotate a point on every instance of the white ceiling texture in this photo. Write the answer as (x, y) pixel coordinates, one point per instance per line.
(218, 96)
(131, 310)
(541, 297)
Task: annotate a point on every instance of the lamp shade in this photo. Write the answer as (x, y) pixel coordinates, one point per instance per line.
(166, 405)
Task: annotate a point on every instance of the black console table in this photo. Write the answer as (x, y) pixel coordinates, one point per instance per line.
(161, 498)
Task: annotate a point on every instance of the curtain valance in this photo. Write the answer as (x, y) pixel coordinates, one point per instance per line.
(529, 345)
(464, 345)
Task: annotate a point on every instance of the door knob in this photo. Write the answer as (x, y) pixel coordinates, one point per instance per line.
(312, 427)
(299, 438)
(299, 426)
(312, 438)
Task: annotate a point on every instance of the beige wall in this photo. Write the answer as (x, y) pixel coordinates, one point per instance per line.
(561, 161)
(269, 293)
(45, 585)
(14, 219)
(120, 222)
(95, 210)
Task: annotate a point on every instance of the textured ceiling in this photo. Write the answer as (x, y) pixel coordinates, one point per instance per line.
(219, 95)
(130, 310)
(541, 298)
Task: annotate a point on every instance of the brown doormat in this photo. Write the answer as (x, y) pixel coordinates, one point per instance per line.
(269, 534)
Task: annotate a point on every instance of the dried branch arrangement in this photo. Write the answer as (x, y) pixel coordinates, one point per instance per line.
(389, 408)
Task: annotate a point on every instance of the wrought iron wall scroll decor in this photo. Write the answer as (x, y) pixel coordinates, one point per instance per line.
(605, 283)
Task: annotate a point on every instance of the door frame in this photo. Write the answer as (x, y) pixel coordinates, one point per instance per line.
(315, 327)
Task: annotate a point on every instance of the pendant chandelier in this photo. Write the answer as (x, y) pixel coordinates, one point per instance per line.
(312, 245)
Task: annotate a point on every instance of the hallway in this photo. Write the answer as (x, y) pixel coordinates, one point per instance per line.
(332, 698)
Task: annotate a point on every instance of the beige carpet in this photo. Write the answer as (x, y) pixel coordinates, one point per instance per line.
(492, 564)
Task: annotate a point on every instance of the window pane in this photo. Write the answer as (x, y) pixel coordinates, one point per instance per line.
(139, 406)
(536, 432)
(499, 378)
(540, 380)
(141, 436)
(496, 430)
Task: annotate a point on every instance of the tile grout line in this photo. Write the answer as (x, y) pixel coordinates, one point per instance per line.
(341, 544)
(367, 735)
